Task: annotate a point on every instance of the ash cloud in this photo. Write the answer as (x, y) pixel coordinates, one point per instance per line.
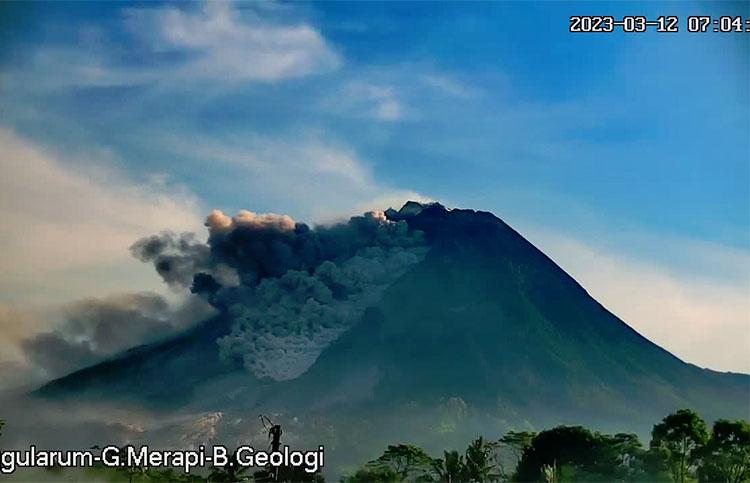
(289, 289)
(176, 257)
(98, 328)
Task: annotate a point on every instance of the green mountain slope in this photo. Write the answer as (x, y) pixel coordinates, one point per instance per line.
(485, 317)
(490, 319)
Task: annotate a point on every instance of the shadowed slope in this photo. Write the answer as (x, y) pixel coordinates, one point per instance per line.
(163, 374)
(489, 318)
(485, 316)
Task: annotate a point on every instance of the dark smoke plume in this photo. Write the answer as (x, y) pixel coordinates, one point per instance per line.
(98, 328)
(289, 289)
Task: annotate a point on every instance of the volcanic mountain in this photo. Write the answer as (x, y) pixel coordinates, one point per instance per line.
(484, 321)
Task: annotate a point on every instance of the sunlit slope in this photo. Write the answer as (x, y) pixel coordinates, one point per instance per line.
(487, 317)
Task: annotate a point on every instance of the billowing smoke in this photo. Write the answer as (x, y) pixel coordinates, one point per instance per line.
(282, 327)
(176, 258)
(97, 328)
(290, 290)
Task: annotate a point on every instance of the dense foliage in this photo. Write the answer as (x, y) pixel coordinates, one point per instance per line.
(726, 457)
(681, 450)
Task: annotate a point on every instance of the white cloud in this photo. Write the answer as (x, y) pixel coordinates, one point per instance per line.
(702, 320)
(17, 325)
(397, 92)
(212, 42)
(388, 109)
(367, 100)
(448, 86)
(219, 42)
(307, 175)
(67, 229)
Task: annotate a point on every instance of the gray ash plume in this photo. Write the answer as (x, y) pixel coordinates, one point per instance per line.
(289, 289)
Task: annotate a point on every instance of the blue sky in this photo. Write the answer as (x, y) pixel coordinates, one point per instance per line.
(623, 156)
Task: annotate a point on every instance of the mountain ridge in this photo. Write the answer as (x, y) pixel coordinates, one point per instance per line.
(486, 317)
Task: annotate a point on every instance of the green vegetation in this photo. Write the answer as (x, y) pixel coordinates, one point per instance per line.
(681, 450)
(403, 462)
(681, 436)
(726, 457)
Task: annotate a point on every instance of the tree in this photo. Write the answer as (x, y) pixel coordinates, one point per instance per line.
(726, 457)
(682, 435)
(517, 441)
(374, 474)
(406, 461)
(655, 465)
(451, 468)
(623, 453)
(569, 453)
(481, 461)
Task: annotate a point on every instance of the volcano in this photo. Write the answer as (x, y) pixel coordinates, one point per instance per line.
(484, 321)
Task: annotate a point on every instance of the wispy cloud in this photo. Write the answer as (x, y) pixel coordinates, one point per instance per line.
(215, 72)
(67, 228)
(703, 320)
(449, 86)
(368, 100)
(397, 92)
(307, 174)
(219, 42)
(214, 42)
(93, 329)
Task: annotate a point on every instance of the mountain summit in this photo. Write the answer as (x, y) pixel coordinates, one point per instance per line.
(489, 318)
(476, 318)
